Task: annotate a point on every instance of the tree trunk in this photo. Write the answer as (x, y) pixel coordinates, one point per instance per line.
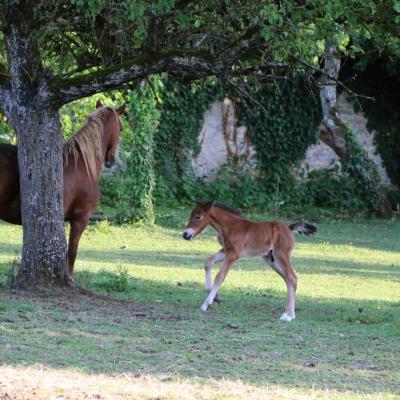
(40, 161)
(40, 157)
(333, 133)
(331, 128)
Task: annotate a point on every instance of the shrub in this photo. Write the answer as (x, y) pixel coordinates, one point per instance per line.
(130, 193)
(176, 138)
(108, 281)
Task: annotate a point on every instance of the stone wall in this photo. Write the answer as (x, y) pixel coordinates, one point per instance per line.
(221, 138)
(320, 155)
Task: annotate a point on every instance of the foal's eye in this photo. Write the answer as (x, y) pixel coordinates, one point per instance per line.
(197, 217)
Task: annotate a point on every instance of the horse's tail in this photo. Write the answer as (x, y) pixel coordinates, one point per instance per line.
(303, 227)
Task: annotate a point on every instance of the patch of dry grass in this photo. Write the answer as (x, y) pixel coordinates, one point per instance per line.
(38, 382)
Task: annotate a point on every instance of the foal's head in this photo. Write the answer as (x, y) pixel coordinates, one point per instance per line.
(199, 219)
(113, 130)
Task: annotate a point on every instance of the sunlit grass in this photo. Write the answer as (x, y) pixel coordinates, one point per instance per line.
(345, 342)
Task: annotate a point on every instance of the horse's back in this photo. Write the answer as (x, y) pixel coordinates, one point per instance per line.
(270, 234)
(10, 208)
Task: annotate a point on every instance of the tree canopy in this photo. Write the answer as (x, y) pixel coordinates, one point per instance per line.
(88, 46)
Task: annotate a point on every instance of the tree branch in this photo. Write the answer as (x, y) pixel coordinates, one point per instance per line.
(197, 63)
(334, 81)
(70, 89)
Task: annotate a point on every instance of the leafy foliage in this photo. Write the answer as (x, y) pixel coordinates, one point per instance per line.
(74, 115)
(331, 189)
(6, 133)
(363, 172)
(379, 79)
(282, 122)
(177, 135)
(130, 193)
(234, 184)
(108, 281)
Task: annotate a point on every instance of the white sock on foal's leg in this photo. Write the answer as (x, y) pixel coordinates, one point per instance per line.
(287, 317)
(289, 314)
(207, 302)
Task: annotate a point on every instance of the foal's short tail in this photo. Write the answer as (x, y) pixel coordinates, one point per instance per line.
(303, 227)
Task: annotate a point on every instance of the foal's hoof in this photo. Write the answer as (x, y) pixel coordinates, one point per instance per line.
(286, 317)
(218, 299)
(203, 308)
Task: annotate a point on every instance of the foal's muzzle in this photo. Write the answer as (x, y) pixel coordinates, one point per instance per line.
(187, 235)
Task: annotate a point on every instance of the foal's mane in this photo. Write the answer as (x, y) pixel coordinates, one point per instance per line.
(225, 207)
(87, 142)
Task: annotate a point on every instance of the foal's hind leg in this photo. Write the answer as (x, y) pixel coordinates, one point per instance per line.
(215, 258)
(279, 261)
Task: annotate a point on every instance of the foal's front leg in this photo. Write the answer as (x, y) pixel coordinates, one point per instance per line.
(215, 258)
(218, 281)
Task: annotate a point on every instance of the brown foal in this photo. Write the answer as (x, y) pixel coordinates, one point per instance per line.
(240, 237)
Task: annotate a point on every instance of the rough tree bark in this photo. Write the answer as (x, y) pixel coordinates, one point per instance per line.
(332, 128)
(40, 143)
(40, 161)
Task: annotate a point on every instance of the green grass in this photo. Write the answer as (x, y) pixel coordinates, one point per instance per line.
(148, 336)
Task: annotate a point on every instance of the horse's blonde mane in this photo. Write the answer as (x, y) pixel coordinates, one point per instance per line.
(87, 143)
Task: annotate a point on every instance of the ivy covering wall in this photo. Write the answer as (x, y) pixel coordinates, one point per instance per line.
(160, 137)
(176, 138)
(282, 123)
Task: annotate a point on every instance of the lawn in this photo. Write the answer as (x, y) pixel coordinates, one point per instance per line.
(145, 338)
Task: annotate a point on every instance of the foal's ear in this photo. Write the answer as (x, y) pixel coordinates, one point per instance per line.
(99, 103)
(121, 110)
(206, 204)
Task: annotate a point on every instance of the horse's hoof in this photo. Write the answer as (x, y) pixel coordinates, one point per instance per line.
(286, 317)
(218, 299)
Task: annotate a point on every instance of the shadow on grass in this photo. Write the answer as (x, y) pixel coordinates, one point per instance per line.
(156, 329)
(195, 260)
(371, 234)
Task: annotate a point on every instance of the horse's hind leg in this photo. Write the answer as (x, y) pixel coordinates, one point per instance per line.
(279, 261)
(215, 258)
(271, 261)
(77, 228)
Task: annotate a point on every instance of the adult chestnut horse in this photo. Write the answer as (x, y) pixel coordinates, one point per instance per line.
(85, 153)
(240, 237)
